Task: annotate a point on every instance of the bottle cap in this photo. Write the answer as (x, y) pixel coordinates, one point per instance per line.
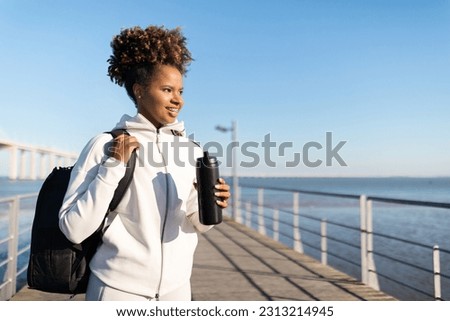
(208, 159)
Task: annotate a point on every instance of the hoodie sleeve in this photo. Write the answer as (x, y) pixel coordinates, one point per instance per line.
(93, 181)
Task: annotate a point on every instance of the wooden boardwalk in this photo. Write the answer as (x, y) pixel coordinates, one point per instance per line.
(234, 263)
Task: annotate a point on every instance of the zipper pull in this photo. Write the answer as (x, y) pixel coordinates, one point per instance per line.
(157, 297)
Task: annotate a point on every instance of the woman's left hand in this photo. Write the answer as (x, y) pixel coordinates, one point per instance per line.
(223, 192)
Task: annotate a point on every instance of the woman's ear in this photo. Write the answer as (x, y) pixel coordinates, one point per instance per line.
(137, 91)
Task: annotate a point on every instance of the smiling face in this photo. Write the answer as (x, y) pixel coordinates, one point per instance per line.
(160, 100)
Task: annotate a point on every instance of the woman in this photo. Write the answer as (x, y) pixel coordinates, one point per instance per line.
(148, 246)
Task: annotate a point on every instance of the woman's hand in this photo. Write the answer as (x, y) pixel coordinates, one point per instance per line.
(122, 147)
(223, 192)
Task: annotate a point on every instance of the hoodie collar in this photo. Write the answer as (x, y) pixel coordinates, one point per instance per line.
(139, 122)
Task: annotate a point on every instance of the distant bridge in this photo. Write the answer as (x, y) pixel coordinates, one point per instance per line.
(25, 164)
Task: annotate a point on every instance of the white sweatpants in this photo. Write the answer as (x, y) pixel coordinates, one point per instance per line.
(99, 291)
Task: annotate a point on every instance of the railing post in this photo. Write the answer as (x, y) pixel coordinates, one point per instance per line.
(323, 241)
(32, 164)
(23, 164)
(11, 269)
(276, 225)
(42, 166)
(248, 209)
(371, 268)
(363, 229)
(296, 223)
(13, 162)
(437, 273)
(51, 161)
(261, 227)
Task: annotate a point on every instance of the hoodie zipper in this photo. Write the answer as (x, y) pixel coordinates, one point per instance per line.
(165, 214)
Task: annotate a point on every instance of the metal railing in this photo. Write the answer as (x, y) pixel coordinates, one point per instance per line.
(258, 213)
(10, 240)
(284, 224)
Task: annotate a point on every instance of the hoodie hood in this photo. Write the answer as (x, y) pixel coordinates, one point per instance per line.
(139, 122)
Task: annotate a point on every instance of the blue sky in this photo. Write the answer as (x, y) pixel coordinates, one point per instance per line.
(373, 73)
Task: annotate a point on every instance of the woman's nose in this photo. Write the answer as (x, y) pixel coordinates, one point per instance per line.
(177, 99)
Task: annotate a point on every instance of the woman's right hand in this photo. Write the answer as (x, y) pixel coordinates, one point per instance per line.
(122, 147)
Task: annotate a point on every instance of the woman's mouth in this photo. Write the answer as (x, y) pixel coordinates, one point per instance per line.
(173, 111)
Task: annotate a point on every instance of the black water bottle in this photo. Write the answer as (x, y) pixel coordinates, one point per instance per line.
(207, 177)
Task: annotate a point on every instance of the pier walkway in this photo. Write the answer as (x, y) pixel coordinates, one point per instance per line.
(235, 263)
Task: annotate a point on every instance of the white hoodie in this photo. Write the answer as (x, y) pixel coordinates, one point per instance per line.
(149, 244)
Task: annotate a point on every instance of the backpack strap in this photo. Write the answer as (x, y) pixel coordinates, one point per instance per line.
(125, 182)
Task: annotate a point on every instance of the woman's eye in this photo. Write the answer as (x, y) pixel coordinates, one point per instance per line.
(167, 90)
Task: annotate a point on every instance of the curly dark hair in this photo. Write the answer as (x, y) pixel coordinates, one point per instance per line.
(137, 51)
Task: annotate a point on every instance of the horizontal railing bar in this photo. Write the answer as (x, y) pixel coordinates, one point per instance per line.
(331, 222)
(409, 202)
(25, 231)
(354, 196)
(284, 211)
(342, 242)
(445, 276)
(390, 237)
(280, 233)
(355, 228)
(4, 262)
(347, 226)
(309, 217)
(304, 229)
(5, 240)
(403, 262)
(23, 250)
(444, 251)
(22, 270)
(335, 239)
(293, 190)
(404, 284)
(10, 199)
(290, 237)
(4, 284)
(312, 246)
(302, 215)
(285, 223)
(343, 259)
(271, 219)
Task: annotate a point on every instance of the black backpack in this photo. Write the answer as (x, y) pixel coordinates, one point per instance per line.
(56, 264)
